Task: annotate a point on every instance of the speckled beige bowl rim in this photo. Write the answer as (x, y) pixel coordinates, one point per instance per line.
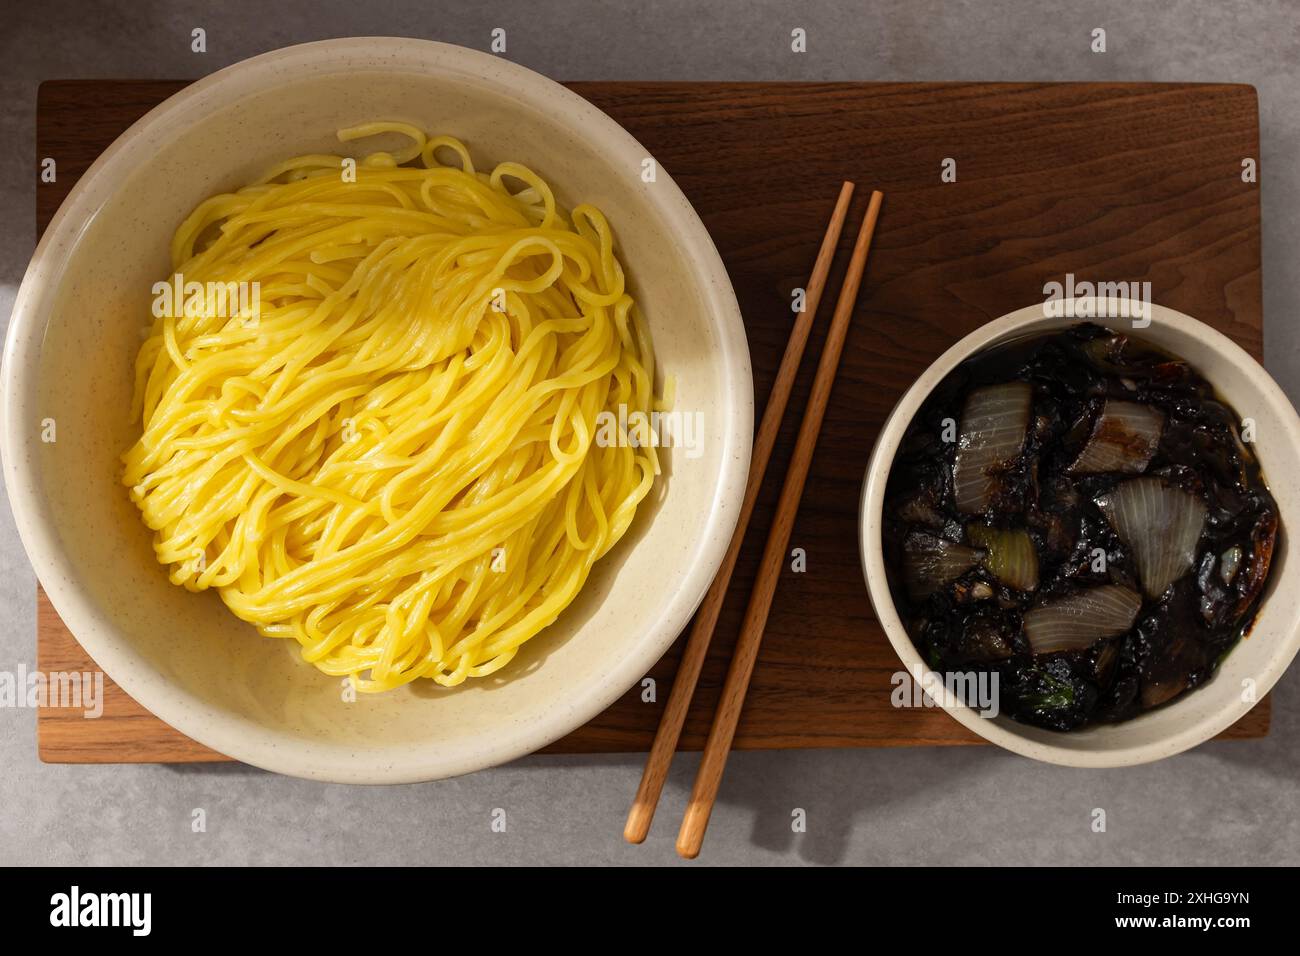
(1013, 324)
(237, 736)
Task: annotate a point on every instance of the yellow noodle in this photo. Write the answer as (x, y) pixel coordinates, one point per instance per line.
(394, 462)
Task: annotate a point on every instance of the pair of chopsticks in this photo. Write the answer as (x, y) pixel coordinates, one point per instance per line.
(709, 776)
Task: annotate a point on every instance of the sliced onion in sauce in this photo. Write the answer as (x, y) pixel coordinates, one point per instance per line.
(1229, 563)
(930, 562)
(993, 426)
(1161, 525)
(1010, 555)
(920, 510)
(1124, 438)
(1081, 619)
(1255, 565)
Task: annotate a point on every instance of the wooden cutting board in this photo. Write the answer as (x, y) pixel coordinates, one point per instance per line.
(1138, 182)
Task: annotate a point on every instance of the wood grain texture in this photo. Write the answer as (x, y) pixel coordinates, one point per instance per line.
(695, 649)
(1136, 182)
(722, 734)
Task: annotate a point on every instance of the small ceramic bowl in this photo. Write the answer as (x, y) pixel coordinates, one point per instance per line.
(68, 364)
(1252, 667)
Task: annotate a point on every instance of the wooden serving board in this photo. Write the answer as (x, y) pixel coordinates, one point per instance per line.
(1137, 182)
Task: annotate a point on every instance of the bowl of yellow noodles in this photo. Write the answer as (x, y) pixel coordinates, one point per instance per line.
(376, 410)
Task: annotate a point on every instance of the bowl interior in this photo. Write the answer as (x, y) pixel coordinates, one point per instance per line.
(1252, 667)
(87, 298)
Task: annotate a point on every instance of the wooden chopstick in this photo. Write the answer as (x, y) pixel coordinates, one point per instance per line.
(706, 618)
(709, 777)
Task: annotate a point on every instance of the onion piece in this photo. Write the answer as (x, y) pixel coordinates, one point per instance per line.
(930, 562)
(1161, 525)
(1155, 693)
(994, 422)
(1124, 438)
(920, 510)
(1011, 557)
(1081, 619)
(1254, 570)
(1104, 352)
(1229, 563)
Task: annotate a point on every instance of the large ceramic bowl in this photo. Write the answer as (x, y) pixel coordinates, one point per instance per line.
(68, 360)
(1252, 667)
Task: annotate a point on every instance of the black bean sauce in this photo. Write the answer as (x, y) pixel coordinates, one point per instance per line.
(1043, 567)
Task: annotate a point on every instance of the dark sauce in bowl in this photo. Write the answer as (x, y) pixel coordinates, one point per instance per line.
(1080, 514)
